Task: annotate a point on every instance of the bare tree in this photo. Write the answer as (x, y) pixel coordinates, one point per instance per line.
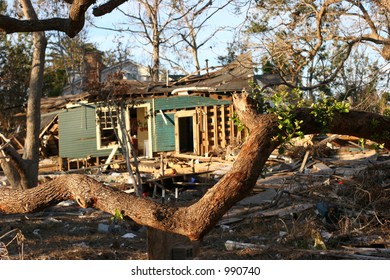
(362, 82)
(195, 17)
(309, 42)
(24, 172)
(149, 23)
(68, 55)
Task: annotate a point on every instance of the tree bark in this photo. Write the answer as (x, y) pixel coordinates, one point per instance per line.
(107, 7)
(23, 173)
(198, 219)
(153, 13)
(70, 26)
(33, 121)
(28, 169)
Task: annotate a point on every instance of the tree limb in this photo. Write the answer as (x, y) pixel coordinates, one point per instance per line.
(71, 26)
(107, 7)
(198, 219)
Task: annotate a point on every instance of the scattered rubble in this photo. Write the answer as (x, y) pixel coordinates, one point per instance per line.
(323, 199)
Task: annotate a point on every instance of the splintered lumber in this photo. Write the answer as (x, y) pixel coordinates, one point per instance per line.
(223, 127)
(369, 251)
(215, 123)
(343, 154)
(83, 169)
(304, 161)
(185, 184)
(233, 245)
(328, 139)
(110, 157)
(371, 240)
(342, 254)
(284, 211)
(200, 158)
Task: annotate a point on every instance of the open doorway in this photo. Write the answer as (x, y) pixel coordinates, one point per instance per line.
(186, 135)
(185, 130)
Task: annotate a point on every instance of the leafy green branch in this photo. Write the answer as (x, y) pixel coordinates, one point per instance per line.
(284, 104)
(117, 217)
(325, 108)
(237, 122)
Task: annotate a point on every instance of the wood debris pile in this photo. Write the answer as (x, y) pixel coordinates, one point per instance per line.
(329, 204)
(325, 198)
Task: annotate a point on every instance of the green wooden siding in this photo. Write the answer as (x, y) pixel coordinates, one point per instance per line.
(77, 133)
(77, 126)
(183, 102)
(164, 133)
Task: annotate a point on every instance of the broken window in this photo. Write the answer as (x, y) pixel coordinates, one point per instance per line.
(107, 118)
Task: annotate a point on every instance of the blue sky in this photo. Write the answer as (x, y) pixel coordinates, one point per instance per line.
(105, 39)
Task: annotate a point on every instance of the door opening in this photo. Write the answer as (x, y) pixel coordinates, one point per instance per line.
(186, 135)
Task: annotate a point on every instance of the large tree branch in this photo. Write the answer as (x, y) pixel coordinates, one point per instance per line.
(198, 219)
(71, 26)
(12, 25)
(107, 7)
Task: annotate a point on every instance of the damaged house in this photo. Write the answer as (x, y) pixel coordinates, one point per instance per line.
(193, 115)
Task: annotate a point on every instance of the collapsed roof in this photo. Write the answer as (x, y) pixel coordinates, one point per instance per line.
(231, 78)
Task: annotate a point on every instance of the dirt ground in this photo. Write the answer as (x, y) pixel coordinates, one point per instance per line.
(311, 216)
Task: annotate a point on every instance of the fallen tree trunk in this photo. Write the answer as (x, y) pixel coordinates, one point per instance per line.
(198, 219)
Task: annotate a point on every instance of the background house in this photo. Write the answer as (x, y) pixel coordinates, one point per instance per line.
(95, 71)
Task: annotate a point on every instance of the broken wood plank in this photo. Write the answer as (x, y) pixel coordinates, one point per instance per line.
(229, 221)
(233, 245)
(342, 254)
(327, 140)
(83, 169)
(162, 171)
(223, 128)
(284, 211)
(194, 184)
(368, 250)
(215, 123)
(233, 131)
(108, 161)
(304, 161)
(206, 131)
(371, 240)
(200, 158)
(356, 145)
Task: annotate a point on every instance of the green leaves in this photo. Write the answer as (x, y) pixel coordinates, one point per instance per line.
(236, 121)
(118, 216)
(325, 108)
(283, 105)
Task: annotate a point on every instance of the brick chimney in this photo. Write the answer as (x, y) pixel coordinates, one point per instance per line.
(93, 66)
